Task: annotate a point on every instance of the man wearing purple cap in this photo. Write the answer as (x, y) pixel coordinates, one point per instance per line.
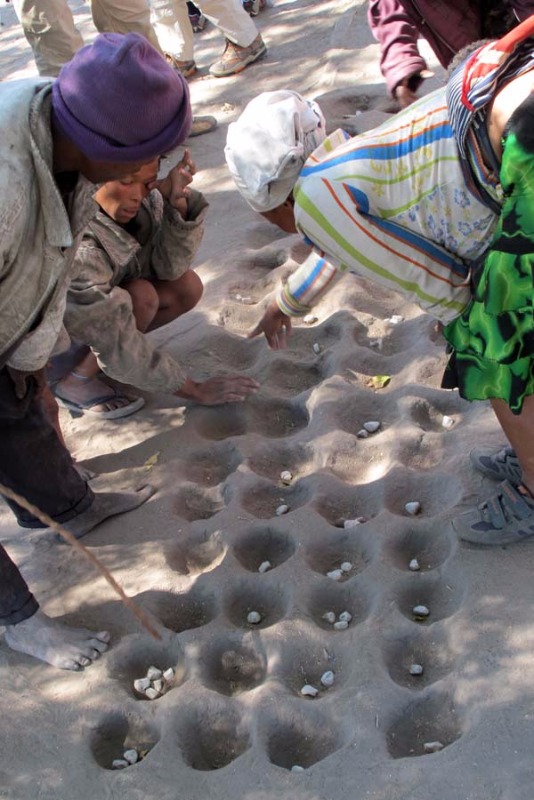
(115, 107)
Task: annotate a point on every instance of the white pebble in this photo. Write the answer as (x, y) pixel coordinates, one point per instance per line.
(447, 422)
(327, 678)
(141, 685)
(168, 675)
(158, 685)
(414, 565)
(395, 319)
(433, 747)
(286, 476)
(416, 669)
(253, 617)
(352, 523)
(421, 611)
(153, 673)
(334, 574)
(346, 566)
(342, 625)
(330, 617)
(413, 507)
(119, 763)
(264, 566)
(309, 691)
(372, 426)
(283, 509)
(345, 616)
(310, 319)
(131, 756)
(316, 348)
(362, 434)
(297, 768)
(151, 693)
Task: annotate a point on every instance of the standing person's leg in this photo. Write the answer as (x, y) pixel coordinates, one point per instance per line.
(124, 16)
(244, 44)
(51, 33)
(30, 631)
(35, 464)
(170, 19)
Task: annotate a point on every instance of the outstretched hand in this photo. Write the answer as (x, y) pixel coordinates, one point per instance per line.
(275, 325)
(214, 391)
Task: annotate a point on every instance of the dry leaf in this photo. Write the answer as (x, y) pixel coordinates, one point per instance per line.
(379, 381)
(150, 462)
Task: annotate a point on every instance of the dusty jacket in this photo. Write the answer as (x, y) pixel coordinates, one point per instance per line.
(99, 312)
(447, 25)
(38, 236)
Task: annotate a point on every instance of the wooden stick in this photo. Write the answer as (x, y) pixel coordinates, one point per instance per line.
(72, 540)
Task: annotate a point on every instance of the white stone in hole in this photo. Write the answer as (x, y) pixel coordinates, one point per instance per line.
(372, 426)
(352, 523)
(414, 565)
(447, 422)
(264, 566)
(131, 756)
(297, 768)
(119, 763)
(310, 319)
(416, 669)
(421, 611)
(282, 509)
(286, 476)
(168, 675)
(309, 691)
(151, 693)
(413, 507)
(362, 434)
(345, 566)
(330, 617)
(158, 685)
(327, 679)
(345, 616)
(341, 625)
(316, 347)
(334, 574)
(433, 747)
(153, 673)
(141, 685)
(253, 617)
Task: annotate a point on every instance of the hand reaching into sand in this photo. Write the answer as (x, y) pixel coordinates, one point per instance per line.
(175, 187)
(214, 391)
(275, 325)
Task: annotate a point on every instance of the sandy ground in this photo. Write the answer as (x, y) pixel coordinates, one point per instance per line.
(234, 722)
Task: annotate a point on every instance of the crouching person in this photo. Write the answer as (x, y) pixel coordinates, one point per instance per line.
(134, 275)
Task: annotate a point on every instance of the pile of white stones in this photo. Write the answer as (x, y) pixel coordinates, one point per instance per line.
(342, 621)
(129, 757)
(155, 683)
(336, 574)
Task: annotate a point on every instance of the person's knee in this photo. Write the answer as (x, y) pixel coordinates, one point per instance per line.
(145, 301)
(187, 290)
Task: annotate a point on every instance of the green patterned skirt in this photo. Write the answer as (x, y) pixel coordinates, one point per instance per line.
(493, 339)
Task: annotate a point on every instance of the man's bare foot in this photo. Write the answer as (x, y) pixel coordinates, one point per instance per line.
(107, 504)
(56, 644)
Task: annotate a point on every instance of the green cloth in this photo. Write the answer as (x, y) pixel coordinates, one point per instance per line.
(493, 339)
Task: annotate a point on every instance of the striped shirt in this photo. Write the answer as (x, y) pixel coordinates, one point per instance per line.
(391, 205)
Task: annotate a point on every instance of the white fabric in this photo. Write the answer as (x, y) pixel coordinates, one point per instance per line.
(175, 34)
(267, 146)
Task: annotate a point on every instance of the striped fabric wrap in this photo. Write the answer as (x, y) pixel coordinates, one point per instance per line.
(469, 90)
(391, 205)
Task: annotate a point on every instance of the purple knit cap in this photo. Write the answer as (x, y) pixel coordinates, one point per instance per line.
(118, 100)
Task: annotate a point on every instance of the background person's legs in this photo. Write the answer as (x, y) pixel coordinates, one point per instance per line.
(124, 16)
(50, 30)
(170, 19)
